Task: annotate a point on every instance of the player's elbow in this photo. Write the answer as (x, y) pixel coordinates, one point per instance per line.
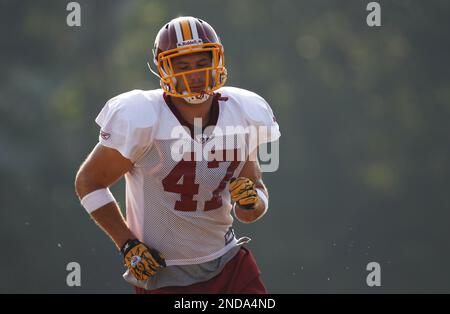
(85, 183)
(80, 184)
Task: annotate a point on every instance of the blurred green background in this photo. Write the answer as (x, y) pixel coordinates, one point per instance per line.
(364, 114)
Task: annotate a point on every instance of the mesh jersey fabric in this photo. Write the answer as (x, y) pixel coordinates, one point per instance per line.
(181, 207)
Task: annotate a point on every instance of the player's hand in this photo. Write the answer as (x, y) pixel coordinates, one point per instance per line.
(243, 192)
(142, 261)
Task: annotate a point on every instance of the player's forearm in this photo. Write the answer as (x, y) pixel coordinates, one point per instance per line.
(108, 217)
(111, 220)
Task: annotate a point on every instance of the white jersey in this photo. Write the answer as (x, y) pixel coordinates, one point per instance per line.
(177, 205)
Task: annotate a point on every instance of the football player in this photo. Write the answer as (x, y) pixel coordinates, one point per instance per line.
(177, 236)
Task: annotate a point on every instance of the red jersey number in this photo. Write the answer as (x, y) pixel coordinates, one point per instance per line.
(185, 170)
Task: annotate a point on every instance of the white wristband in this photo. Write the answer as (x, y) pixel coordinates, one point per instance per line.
(97, 199)
(263, 198)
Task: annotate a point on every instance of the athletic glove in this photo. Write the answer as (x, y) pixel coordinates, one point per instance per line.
(142, 261)
(243, 192)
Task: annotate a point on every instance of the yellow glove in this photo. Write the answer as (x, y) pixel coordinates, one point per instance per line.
(142, 261)
(243, 192)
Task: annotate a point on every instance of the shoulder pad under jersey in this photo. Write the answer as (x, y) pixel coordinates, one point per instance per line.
(127, 121)
(254, 108)
(140, 108)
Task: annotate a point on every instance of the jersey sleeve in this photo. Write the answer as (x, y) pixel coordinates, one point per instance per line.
(127, 126)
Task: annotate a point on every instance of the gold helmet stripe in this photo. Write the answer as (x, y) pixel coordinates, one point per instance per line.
(187, 34)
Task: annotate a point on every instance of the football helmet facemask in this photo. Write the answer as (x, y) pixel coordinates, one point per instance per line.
(182, 36)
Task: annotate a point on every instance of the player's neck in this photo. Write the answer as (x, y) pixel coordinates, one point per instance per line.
(190, 111)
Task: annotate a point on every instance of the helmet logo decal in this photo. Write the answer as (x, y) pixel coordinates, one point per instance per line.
(189, 42)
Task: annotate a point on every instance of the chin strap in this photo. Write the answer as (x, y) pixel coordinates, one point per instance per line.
(204, 97)
(197, 99)
(221, 98)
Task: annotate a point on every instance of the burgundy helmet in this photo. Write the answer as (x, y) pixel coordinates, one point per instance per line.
(185, 35)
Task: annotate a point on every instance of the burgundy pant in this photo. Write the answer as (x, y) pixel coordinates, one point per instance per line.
(240, 275)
